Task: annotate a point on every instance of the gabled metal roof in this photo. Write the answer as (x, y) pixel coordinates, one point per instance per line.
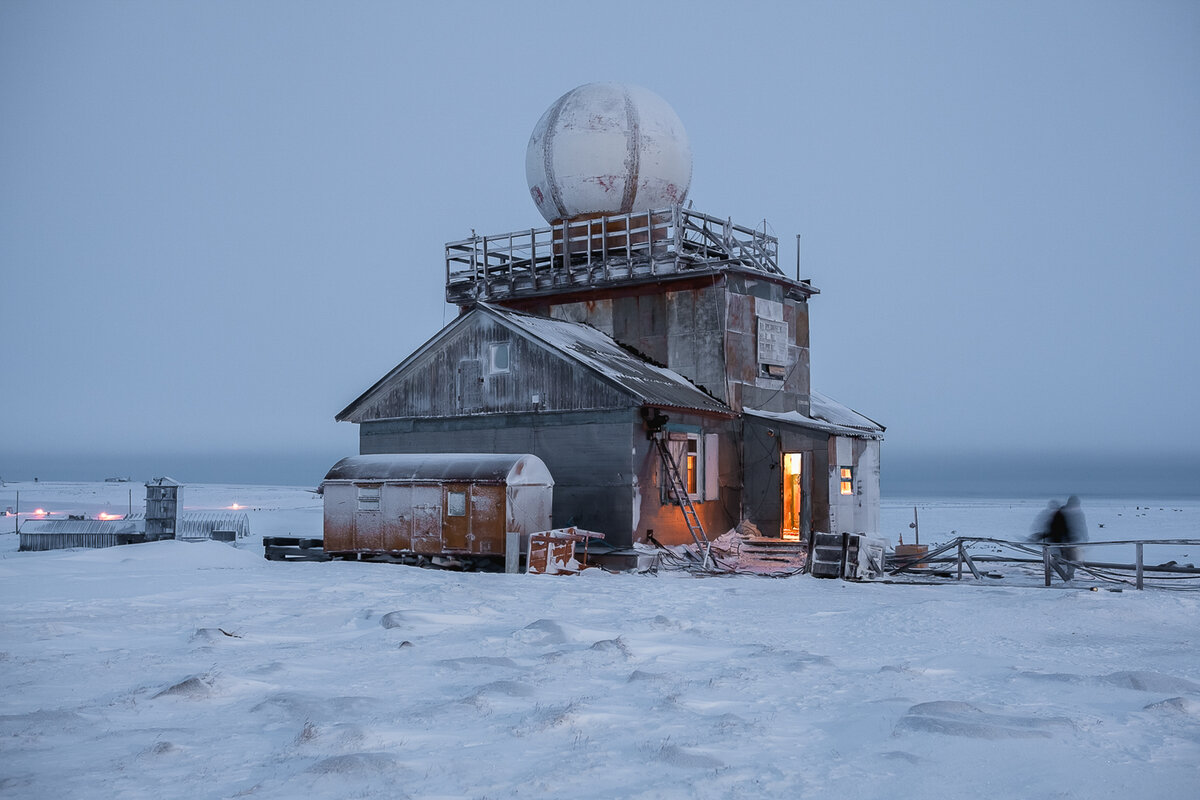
(597, 352)
(600, 353)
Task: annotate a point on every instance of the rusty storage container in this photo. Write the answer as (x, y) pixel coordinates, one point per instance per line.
(454, 504)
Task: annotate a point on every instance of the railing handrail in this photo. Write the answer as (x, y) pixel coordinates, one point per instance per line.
(689, 239)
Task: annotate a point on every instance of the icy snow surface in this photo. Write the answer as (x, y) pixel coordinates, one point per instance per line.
(202, 670)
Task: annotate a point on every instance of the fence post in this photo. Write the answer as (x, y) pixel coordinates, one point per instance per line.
(1046, 562)
(960, 560)
(1138, 547)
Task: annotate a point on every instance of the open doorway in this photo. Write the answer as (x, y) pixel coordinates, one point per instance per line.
(797, 506)
(793, 496)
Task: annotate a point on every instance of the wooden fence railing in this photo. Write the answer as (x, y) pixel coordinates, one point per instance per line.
(957, 553)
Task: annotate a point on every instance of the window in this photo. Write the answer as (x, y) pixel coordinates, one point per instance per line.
(692, 469)
(498, 358)
(456, 504)
(695, 456)
(846, 479)
(368, 498)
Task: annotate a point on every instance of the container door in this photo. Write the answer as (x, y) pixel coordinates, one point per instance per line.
(397, 518)
(368, 519)
(456, 520)
(427, 519)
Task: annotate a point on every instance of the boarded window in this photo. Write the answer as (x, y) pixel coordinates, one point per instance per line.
(368, 498)
(772, 347)
(456, 504)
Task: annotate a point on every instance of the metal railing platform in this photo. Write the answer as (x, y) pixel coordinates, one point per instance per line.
(606, 250)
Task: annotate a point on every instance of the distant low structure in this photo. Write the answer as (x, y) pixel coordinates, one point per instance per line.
(164, 501)
(163, 519)
(656, 358)
(64, 534)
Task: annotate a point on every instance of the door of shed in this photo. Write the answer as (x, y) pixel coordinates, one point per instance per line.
(456, 524)
(427, 519)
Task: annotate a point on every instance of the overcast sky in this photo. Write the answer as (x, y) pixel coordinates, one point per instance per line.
(221, 222)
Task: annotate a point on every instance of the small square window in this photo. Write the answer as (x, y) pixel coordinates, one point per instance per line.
(846, 478)
(456, 504)
(368, 498)
(499, 358)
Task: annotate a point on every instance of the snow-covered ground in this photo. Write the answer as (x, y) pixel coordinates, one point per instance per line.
(203, 670)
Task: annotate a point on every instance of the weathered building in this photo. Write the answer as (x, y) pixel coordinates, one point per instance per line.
(633, 320)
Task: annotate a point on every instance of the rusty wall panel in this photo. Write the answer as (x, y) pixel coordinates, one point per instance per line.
(741, 349)
(681, 339)
(426, 513)
(710, 366)
(368, 531)
(396, 504)
(488, 514)
(624, 319)
(339, 504)
(739, 313)
(800, 311)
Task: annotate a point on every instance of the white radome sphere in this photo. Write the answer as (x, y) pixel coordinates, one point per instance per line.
(607, 148)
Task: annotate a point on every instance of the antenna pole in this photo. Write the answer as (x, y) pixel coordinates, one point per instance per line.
(797, 258)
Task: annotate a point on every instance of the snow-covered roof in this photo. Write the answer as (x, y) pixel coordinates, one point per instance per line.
(597, 351)
(510, 468)
(826, 414)
(163, 481)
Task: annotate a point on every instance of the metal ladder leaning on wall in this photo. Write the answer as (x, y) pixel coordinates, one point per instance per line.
(678, 492)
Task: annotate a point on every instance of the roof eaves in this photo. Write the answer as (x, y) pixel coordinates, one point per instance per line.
(344, 414)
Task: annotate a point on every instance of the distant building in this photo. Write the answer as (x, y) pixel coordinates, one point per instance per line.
(630, 339)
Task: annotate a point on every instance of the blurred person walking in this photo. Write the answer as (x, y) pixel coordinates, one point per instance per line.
(1064, 526)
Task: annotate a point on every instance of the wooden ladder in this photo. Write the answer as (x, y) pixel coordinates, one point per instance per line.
(678, 492)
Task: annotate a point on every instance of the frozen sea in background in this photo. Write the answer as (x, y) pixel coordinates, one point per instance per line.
(203, 670)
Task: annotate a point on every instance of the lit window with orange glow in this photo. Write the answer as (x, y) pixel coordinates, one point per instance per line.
(692, 471)
(846, 476)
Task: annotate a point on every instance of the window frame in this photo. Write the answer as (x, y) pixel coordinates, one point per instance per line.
(493, 349)
(846, 486)
(368, 497)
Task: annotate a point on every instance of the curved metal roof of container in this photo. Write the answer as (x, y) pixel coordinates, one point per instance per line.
(509, 468)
